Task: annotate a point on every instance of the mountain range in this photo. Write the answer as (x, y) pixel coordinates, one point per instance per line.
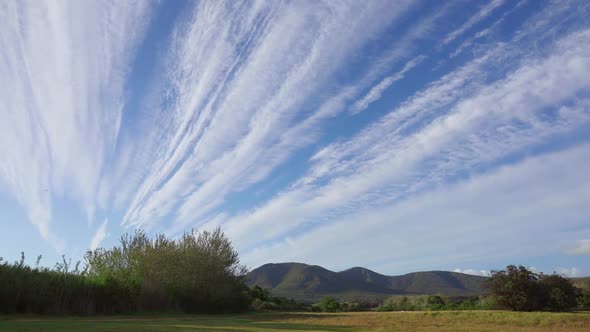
(310, 283)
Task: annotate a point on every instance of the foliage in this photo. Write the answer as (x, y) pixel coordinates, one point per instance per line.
(262, 300)
(200, 272)
(433, 302)
(558, 293)
(258, 293)
(583, 300)
(329, 304)
(518, 289)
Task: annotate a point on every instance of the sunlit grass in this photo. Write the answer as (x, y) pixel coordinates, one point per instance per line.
(361, 321)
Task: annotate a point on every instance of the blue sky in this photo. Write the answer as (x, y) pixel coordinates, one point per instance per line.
(395, 135)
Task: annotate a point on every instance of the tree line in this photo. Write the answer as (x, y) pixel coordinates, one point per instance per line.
(200, 272)
(515, 288)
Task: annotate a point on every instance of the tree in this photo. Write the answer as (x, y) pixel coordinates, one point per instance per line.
(519, 289)
(199, 272)
(515, 288)
(257, 292)
(559, 293)
(329, 304)
(435, 301)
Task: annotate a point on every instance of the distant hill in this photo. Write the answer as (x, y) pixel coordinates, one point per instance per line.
(583, 283)
(309, 283)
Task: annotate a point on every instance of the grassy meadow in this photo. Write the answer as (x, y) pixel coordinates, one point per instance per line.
(359, 321)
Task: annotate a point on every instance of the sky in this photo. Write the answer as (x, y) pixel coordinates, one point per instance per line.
(400, 136)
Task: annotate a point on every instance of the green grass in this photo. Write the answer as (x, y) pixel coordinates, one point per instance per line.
(364, 321)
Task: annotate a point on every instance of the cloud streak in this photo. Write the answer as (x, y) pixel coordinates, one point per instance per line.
(99, 236)
(62, 98)
(475, 214)
(235, 126)
(292, 123)
(482, 14)
(389, 160)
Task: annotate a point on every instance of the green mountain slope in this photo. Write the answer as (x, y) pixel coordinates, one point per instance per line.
(310, 283)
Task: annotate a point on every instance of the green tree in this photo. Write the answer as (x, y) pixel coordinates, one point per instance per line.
(519, 289)
(435, 302)
(257, 292)
(199, 272)
(559, 293)
(329, 304)
(515, 288)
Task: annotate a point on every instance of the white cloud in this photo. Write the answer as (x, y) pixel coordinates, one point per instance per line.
(62, 72)
(572, 272)
(247, 85)
(220, 120)
(99, 235)
(483, 273)
(384, 163)
(469, 42)
(582, 247)
(376, 92)
(523, 206)
(475, 19)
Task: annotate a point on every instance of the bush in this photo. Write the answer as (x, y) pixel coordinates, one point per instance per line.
(559, 293)
(433, 302)
(329, 304)
(200, 272)
(519, 289)
(583, 300)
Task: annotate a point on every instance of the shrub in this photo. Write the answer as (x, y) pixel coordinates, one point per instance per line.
(433, 302)
(200, 272)
(519, 289)
(329, 304)
(559, 293)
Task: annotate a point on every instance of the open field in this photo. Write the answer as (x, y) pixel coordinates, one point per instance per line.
(364, 321)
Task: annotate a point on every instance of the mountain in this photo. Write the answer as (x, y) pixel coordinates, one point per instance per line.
(309, 283)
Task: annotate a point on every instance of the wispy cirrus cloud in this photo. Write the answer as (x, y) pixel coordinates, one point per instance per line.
(376, 91)
(244, 129)
(483, 13)
(515, 205)
(99, 235)
(417, 146)
(61, 99)
(288, 123)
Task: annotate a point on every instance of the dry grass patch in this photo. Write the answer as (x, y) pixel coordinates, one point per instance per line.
(293, 322)
(447, 321)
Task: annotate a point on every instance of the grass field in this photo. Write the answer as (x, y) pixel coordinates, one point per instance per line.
(365, 321)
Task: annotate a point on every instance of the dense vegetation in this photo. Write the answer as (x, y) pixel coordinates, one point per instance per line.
(518, 289)
(262, 300)
(514, 288)
(435, 302)
(200, 272)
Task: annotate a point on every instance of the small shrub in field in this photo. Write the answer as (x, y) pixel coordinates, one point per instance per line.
(329, 304)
